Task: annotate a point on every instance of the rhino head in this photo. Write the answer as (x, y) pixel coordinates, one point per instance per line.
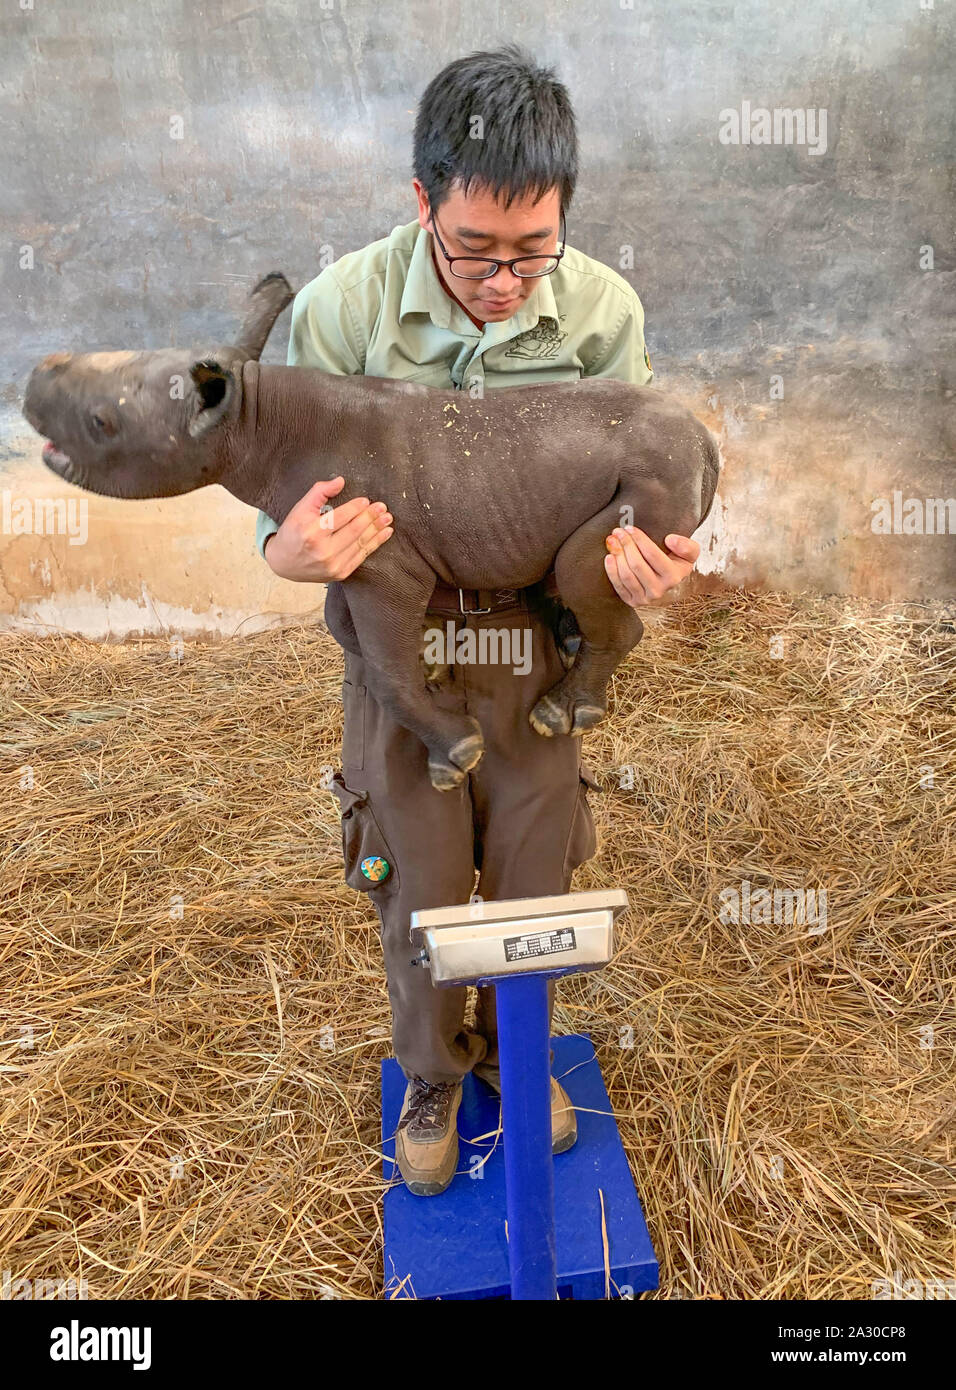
(147, 424)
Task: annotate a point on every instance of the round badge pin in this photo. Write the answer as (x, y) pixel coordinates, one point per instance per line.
(375, 868)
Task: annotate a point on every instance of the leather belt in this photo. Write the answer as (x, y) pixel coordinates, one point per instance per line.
(461, 602)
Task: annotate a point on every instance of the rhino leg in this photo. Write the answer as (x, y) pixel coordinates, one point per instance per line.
(435, 675)
(608, 627)
(388, 609)
(563, 624)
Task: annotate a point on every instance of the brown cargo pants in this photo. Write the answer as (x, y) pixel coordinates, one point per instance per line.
(521, 819)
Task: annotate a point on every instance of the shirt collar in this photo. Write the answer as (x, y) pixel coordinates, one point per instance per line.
(423, 294)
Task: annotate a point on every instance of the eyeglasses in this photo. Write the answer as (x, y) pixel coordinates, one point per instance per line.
(481, 267)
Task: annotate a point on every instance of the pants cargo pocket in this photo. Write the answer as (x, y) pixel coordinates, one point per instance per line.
(582, 839)
(369, 864)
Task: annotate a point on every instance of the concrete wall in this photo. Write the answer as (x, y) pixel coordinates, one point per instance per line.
(764, 268)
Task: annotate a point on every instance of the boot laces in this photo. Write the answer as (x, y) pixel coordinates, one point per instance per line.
(428, 1104)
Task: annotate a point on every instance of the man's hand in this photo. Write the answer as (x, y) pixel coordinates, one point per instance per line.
(640, 571)
(316, 546)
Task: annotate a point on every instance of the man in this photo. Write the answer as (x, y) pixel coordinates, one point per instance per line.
(480, 293)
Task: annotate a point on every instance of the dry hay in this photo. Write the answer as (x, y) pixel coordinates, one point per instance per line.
(194, 1113)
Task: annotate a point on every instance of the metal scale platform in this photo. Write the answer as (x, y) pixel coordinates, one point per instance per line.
(518, 1222)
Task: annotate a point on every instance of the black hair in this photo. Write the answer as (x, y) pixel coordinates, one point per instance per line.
(529, 140)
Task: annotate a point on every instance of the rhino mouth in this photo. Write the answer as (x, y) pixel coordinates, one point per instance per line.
(60, 463)
(56, 459)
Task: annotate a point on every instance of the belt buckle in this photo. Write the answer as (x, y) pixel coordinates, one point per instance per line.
(463, 609)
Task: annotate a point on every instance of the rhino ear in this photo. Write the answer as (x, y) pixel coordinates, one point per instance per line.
(214, 388)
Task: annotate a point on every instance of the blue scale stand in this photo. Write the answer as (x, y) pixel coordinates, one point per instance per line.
(516, 1221)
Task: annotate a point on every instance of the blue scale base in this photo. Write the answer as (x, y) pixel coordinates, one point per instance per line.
(454, 1246)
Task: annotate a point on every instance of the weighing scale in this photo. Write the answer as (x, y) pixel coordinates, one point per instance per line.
(516, 1221)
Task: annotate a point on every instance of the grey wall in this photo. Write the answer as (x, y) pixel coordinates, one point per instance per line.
(750, 260)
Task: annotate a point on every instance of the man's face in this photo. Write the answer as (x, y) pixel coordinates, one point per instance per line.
(479, 226)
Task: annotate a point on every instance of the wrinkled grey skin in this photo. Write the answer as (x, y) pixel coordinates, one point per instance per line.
(485, 493)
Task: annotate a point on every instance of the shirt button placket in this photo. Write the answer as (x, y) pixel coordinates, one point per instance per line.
(475, 371)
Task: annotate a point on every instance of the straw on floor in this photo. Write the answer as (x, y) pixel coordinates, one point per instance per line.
(194, 1006)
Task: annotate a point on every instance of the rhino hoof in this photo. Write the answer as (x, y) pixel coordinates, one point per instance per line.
(568, 648)
(549, 718)
(466, 753)
(444, 777)
(552, 716)
(463, 756)
(435, 676)
(585, 717)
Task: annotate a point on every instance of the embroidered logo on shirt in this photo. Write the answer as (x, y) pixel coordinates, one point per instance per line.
(542, 341)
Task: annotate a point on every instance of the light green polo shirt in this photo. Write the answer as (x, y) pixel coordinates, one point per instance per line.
(383, 311)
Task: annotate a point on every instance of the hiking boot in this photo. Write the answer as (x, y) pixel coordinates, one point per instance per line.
(564, 1124)
(426, 1139)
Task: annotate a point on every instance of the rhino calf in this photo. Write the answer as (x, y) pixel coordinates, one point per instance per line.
(485, 493)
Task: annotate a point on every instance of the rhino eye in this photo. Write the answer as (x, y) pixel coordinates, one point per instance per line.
(101, 424)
